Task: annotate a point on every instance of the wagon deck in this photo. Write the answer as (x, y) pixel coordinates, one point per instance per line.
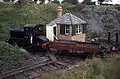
(75, 46)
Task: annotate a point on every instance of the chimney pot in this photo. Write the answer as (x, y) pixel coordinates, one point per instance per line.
(59, 11)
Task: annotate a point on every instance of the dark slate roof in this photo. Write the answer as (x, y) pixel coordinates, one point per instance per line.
(68, 18)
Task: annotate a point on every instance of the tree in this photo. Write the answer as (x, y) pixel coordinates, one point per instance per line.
(56, 2)
(100, 1)
(71, 1)
(86, 1)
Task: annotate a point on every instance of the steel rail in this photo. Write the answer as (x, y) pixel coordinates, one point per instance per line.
(25, 68)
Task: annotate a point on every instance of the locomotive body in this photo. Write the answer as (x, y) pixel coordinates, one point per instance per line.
(30, 37)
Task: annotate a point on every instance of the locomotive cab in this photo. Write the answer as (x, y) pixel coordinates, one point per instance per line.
(32, 31)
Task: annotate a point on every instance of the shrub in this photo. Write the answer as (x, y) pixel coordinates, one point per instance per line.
(11, 57)
(102, 68)
(118, 7)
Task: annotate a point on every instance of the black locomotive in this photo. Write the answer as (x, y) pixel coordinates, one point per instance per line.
(29, 37)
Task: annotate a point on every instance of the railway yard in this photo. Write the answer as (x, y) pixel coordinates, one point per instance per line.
(57, 54)
(46, 62)
(51, 60)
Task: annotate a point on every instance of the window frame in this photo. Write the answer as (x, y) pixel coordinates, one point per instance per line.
(78, 29)
(67, 29)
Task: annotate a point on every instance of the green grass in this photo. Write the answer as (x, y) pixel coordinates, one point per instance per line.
(11, 57)
(95, 68)
(79, 71)
(107, 68)
(17, 15)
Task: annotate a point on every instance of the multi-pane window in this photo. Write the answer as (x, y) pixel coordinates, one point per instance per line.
(78, 29)
(67, 29)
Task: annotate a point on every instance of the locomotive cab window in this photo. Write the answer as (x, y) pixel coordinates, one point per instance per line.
(78, 29)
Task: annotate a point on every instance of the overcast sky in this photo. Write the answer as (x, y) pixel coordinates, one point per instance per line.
(113, 1)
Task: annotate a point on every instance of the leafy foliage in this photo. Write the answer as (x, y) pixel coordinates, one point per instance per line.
(55, 1)
(108, 23)
(86, 1)
(117, 7)
(71, 1)
(17, 15)
(102, 69)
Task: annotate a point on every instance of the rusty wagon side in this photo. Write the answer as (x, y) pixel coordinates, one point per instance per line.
(75, 46)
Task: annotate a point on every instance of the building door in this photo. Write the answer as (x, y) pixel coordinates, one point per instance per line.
(54, 30)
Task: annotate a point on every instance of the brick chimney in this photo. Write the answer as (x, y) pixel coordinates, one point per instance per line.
(59, 11)
(59, 14)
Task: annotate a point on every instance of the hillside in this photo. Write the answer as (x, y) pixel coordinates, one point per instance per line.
(100, 19)
(18, 15)
(14, 15)
(11, 57)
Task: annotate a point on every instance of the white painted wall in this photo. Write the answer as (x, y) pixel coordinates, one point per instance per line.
(49, 33)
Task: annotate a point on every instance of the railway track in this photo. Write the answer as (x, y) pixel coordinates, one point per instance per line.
(35, 70)
(42, 65)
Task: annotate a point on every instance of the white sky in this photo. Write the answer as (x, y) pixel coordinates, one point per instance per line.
(113, 1)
